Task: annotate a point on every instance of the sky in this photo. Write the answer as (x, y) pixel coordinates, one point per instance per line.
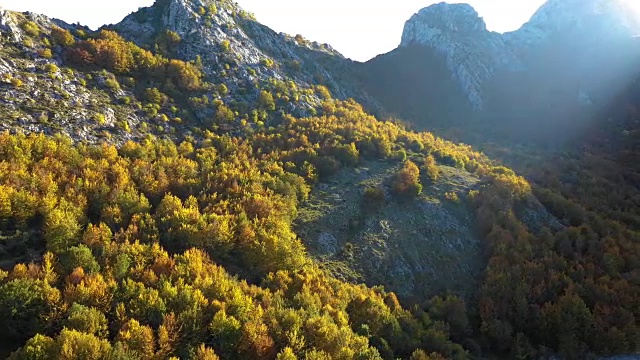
(359, 29)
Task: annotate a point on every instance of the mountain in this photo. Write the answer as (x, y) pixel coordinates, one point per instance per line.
(245, 44)
(560, 65)
(188, 183)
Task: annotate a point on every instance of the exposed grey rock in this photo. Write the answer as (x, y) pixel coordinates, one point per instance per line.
(472, 52)
(413, 248)
(10, 26)
(231, 36)
(327, 244)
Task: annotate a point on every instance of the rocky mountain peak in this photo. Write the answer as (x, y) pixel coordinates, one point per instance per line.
(455, 31)
(458, 19)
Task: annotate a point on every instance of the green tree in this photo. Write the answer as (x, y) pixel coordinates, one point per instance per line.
(265, 101)
(61, 229)
(287, 354)
(205, 353)
(79, 256)
(87, 320)
(26, 307)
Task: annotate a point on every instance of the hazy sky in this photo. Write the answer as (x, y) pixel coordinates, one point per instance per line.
(359, 29)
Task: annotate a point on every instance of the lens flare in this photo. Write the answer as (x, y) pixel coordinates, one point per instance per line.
(633, 6)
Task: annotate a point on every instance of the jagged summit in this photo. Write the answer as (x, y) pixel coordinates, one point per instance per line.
(443, 17)
(233, 47)
(457, 31)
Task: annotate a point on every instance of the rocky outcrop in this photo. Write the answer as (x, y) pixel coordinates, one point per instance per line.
(9, 26)
(237, 50)
(414, 248)
(457, 32)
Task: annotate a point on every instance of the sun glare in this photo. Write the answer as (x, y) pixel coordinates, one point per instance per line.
(632, 6)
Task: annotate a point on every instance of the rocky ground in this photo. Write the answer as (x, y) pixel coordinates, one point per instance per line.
(414, 248)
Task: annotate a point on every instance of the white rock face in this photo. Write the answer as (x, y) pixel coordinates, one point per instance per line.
(473, 54)
(8, 23)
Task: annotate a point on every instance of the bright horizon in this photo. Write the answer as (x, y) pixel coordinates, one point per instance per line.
(359, 29)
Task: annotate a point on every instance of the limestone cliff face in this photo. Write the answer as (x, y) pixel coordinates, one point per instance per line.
(457, 32)
(586, 28)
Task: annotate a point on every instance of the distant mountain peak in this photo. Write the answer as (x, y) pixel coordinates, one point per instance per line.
(455, 31)
(474, 54)
(444, 17)
(567, 15)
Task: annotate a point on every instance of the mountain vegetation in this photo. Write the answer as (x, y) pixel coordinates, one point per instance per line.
(161, 197)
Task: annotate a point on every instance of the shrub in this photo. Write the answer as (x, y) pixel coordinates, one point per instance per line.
(45, 53)
(452, 196)
(51, 68)
(171, 38)
(30, 28)
(267, 62)
(112, 84)
(406, 182)
(154, 96)
(431, 168)
(373, 198)
(326, 166)
(347, 154)
(124, 125)
(323, 92)
(81, 34)
(265, 101)
(226, 45)
(62, 37)
(16, 82)
(224, 114)
(100, 119)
